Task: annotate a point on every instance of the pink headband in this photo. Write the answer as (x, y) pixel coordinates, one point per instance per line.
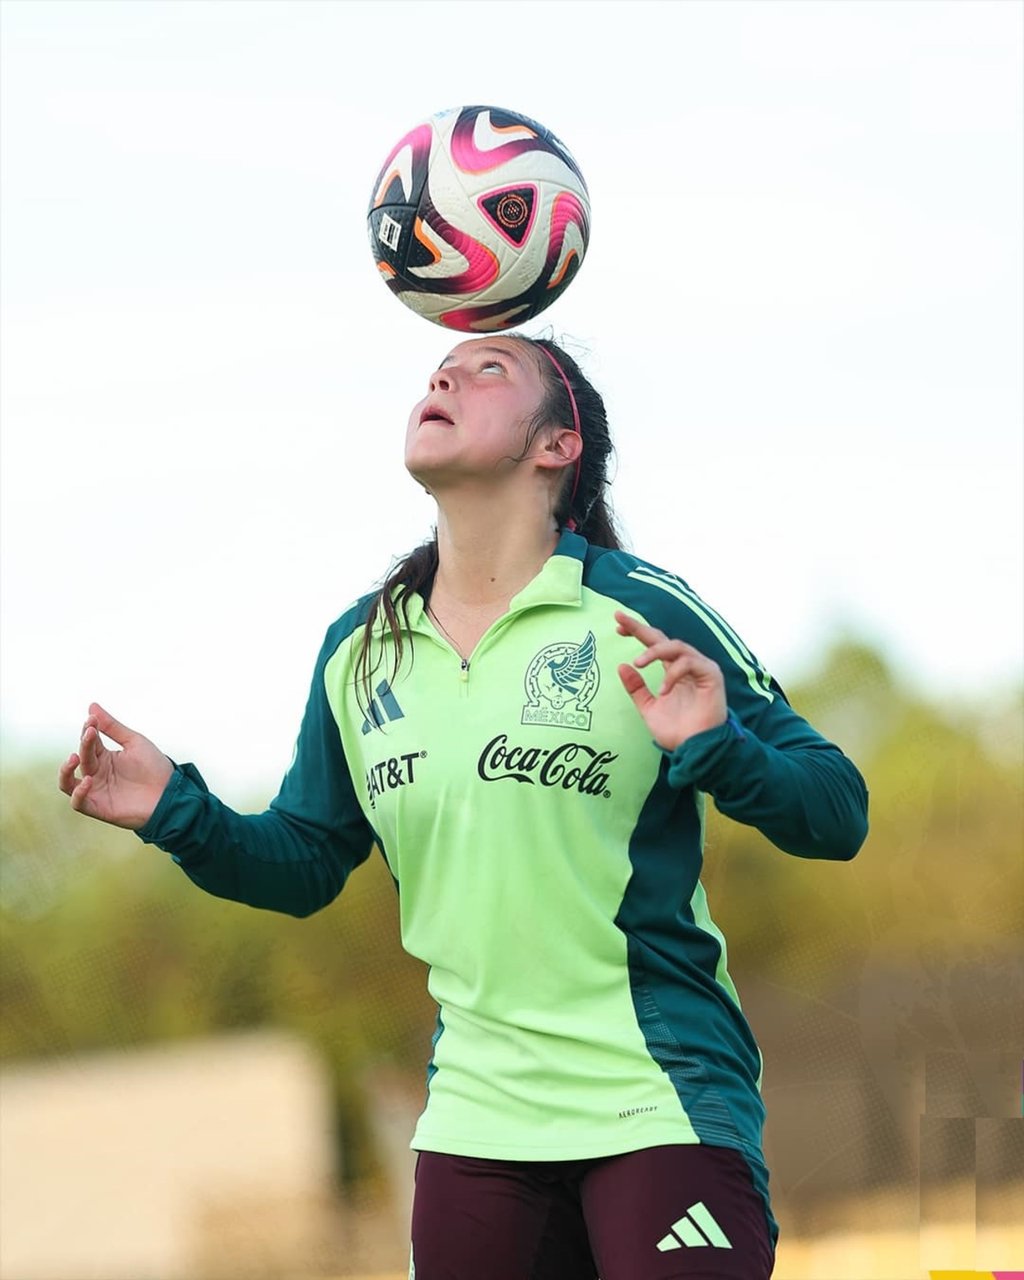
(570, 523)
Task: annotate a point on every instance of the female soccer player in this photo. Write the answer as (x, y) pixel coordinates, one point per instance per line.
(526, 720)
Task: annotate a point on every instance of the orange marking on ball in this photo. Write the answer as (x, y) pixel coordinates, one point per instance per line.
(419, 232)
(557, 280)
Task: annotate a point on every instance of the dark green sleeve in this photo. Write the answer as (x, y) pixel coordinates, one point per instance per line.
(790, 783)
(296, 856)
(766, 766)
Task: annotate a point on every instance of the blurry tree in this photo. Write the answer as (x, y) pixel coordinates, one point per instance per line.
(944, 851)
(106, 944)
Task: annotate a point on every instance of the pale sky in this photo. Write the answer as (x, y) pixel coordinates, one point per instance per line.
(802, 301)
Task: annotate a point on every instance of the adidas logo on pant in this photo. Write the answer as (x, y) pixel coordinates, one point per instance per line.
(696, 1227)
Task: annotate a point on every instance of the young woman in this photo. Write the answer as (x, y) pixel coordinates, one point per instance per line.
(526, 720)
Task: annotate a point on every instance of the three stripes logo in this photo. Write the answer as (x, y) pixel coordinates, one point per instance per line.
(380, 712)
(758, 679)
(695, 1228)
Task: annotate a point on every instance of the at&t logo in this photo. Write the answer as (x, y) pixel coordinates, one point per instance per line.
(390, 774)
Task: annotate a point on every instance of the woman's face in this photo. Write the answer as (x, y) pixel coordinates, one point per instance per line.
(475, 415)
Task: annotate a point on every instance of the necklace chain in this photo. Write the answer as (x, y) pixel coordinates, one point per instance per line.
(455, 646)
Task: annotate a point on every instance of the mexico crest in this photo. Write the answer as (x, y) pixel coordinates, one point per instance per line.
(561, 682)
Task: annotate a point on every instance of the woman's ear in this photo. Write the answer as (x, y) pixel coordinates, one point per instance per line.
(562, 449)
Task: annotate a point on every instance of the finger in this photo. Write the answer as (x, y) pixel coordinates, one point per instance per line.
(630, 626)
(633, 683)
(90, 750)
(678, 671)
(691, 666)
(80, 795)
(652, 637)
(66, 779)
(671, 651)
(663, 651)
(106, 723)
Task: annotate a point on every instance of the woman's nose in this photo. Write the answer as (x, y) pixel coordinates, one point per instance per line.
(441, 380)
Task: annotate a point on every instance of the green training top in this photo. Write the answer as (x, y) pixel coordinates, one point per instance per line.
(547, 854)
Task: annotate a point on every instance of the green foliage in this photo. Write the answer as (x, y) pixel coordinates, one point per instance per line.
(107, 944)
(942, 862)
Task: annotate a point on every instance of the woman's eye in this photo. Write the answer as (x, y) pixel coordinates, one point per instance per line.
(493, 364)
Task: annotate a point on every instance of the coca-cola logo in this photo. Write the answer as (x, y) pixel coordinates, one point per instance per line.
(573, 766)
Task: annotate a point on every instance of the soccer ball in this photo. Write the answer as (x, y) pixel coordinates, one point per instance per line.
(479, 218)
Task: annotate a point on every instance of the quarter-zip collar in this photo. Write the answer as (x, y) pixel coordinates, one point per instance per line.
(560, 581)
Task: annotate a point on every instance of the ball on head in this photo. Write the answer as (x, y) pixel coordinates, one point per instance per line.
(479, 218)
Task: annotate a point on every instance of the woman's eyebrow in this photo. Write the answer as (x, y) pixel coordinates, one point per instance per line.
(506, 353)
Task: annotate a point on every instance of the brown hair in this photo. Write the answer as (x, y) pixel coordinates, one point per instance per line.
(588, 507)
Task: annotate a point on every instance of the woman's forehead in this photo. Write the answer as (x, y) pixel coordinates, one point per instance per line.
(511, 348)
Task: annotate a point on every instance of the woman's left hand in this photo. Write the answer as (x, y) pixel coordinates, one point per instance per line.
(692, 694)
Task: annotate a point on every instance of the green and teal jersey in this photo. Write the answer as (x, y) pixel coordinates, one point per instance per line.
(548, 857)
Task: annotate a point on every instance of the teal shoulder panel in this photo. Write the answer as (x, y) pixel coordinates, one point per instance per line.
(767, 766)
(685, 1001)
(668, 602)
(317, 791)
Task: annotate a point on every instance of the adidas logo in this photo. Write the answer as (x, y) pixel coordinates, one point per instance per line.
(696, 1227)
(380, 712)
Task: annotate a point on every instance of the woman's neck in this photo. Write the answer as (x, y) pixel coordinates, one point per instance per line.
(485, 556)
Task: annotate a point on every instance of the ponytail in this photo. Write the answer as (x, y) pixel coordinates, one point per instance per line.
(413, 574)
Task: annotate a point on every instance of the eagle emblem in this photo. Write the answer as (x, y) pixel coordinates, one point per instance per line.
(561, 682)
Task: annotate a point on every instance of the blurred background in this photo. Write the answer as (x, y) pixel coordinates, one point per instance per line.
(803, 300)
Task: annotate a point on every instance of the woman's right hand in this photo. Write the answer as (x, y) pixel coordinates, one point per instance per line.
(120, 787)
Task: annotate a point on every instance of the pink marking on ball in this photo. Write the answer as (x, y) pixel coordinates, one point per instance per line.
(486, 319)
(470, 159)
(482, 268)
(419, 139)
(566, 211)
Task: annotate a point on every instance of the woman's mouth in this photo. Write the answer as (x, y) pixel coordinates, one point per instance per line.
(433, 413)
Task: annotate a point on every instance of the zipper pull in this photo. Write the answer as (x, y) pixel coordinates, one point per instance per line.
(464, 670)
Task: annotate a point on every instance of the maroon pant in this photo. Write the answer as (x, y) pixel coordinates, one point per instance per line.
(665, 1213)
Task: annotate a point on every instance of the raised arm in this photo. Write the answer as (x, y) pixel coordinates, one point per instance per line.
(729, 731)
(295, 857)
